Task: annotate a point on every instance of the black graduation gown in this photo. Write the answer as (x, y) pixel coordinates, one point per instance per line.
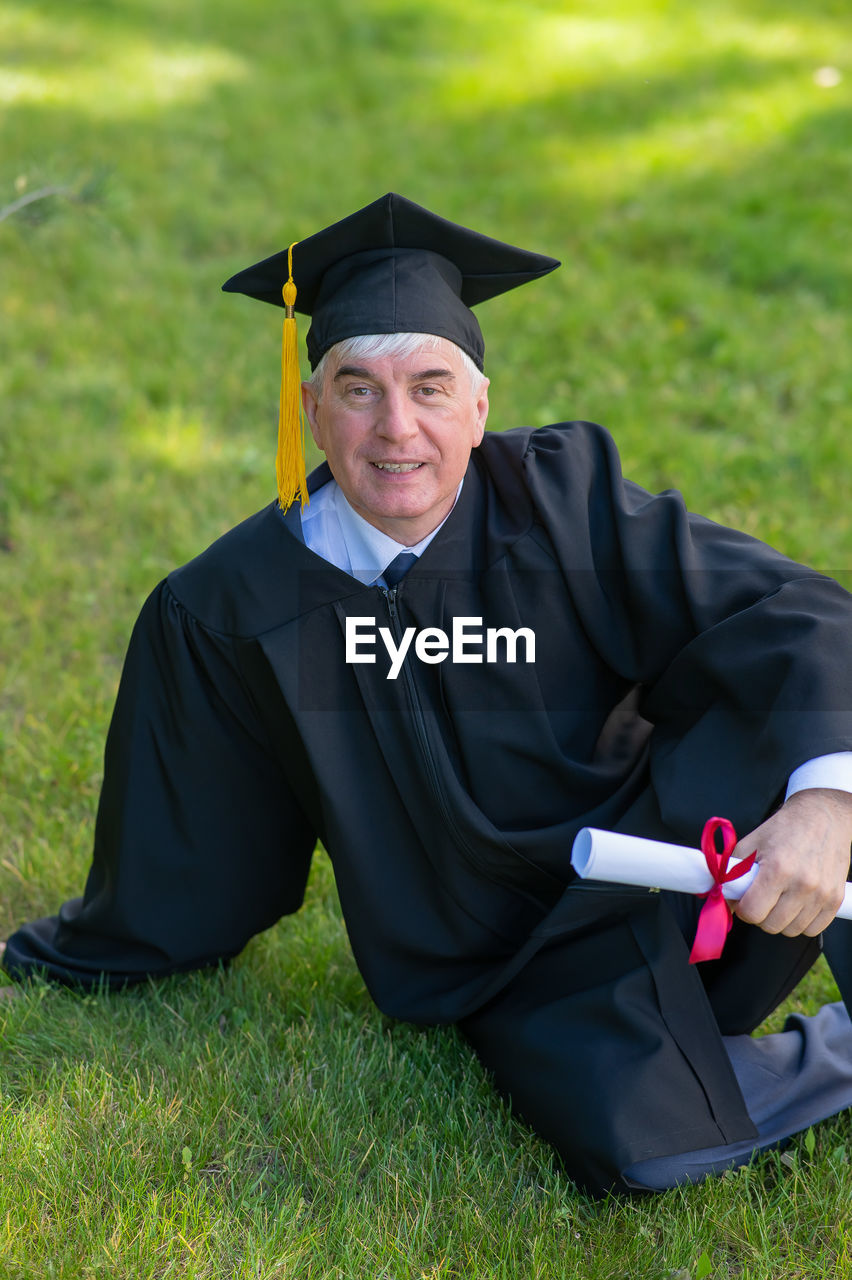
(681, 670)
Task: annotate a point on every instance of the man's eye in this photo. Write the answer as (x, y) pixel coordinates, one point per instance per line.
(360, 392)
(429, 391)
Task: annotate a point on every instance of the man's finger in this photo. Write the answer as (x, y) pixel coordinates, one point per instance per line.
(811, 921)
(800, 909)
(763, 903)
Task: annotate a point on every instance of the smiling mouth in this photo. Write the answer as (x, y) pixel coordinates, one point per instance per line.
(397, 467)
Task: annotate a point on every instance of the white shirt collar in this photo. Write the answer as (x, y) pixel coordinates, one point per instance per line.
(334, 530)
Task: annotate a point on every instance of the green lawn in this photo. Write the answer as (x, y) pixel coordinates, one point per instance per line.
(690, 163)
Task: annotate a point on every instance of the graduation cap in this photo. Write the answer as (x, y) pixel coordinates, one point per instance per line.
(392, 267)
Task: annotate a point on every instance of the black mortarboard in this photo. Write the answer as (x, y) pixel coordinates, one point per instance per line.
(392, 267)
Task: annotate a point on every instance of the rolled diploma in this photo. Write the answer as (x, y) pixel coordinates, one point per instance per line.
(620, 859)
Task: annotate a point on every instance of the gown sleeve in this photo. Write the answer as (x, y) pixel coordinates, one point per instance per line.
(742, 657)
(199, 841)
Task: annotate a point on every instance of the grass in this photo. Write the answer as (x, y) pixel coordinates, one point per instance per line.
(693, 174)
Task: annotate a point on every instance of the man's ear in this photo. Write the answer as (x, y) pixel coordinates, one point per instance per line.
(481, 413)
(310, 404)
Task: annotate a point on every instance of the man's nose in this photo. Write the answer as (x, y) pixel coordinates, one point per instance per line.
(397, 419)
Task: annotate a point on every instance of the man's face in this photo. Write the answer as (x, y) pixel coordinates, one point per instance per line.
(397, 432)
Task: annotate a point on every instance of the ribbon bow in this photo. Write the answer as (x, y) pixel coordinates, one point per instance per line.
(714, 922)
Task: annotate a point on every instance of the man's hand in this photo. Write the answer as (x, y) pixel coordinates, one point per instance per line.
(803, 852)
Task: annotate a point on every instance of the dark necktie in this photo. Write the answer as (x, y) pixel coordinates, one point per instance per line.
(398, 568)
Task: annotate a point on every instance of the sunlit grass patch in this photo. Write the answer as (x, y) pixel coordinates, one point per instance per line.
(91, 65)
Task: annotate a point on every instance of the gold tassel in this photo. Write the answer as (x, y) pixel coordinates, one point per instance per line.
(290, 459)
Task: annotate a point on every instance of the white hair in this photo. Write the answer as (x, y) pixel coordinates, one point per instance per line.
(374, 346)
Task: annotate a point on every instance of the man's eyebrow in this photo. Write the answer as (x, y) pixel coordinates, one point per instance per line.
(358, 371)
(446, 374)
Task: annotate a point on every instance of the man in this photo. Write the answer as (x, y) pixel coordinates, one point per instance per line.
(462, 650)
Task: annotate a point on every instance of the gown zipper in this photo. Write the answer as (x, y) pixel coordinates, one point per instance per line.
(433, 773)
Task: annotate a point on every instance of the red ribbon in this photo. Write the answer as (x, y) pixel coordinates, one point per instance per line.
(714, 922)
